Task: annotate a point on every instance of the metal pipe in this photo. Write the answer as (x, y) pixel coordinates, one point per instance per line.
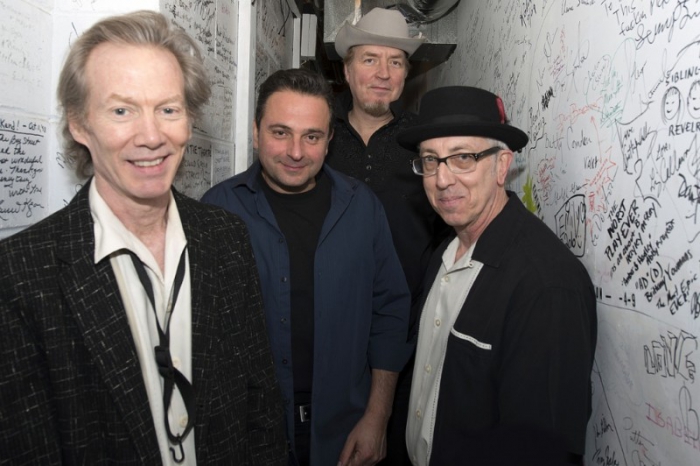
(425, 10)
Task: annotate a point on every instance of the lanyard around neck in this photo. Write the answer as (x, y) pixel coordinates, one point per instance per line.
(171, 376)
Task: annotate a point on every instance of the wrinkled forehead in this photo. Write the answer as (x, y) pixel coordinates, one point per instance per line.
(378, 50)
(143, 71)
(290, 106)
(452, 144)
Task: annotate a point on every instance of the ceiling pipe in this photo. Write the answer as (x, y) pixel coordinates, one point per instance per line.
(424, 11)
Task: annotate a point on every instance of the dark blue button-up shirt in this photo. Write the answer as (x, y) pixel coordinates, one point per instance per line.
(361, 301)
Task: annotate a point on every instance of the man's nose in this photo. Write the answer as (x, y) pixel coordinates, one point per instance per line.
(383, 69)
(294, 150)
(444, 176)
(150, 133)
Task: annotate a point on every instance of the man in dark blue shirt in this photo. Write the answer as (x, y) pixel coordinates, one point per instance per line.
(336, 300)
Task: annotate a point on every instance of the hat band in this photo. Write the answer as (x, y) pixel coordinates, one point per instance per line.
(460, 118)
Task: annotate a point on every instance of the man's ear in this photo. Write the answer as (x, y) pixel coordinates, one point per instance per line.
(78, 131)
(328, 143)
(505, 159)
(255, 135)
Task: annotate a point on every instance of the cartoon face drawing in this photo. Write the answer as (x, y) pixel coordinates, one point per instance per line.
(670, 108)
(694, 100)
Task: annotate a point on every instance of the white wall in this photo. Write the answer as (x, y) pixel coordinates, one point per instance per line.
(618, 179)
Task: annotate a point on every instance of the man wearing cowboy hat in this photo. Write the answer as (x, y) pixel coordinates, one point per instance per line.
(368, 117)
(508, 327)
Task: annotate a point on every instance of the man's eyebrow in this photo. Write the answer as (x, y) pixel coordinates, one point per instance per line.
(278, 126)
(369, 53)
(289, 129)
(315, 130)
(176, 98)
(462, 148)
(459, 148)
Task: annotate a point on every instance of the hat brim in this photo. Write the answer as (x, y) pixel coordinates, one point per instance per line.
(411, 137)
(350, 36)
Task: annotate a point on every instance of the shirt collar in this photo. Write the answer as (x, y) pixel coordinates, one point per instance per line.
(112, 236)
(251, 178)
(448, 257)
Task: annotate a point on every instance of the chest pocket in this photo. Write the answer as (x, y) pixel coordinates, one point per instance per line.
(468, 379)
(470, 339)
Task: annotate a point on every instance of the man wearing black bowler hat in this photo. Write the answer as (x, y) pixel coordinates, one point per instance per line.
(508, 323)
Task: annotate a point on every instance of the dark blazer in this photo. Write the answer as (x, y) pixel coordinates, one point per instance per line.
(71, 387)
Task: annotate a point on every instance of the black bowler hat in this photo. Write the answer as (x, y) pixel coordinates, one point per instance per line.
(461, 111)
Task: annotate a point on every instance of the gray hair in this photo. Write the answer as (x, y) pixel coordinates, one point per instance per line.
(497, 143)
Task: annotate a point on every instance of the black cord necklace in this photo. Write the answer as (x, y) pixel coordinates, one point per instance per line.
(171, 376)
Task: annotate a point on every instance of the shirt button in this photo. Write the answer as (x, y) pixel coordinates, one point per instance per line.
(176, 362)
(418, 413)
(369, 167)
(284, 279)
(369, 156)
(437, 322)
(183, 421)
(427, 368)
(284, 361)
(446, 278)
(367, 180)
(283, 320)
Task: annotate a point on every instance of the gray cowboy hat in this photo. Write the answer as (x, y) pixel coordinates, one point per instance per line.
(461, 111)
(378, 27)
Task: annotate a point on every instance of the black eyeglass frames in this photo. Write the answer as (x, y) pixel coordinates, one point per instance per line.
(457, 163)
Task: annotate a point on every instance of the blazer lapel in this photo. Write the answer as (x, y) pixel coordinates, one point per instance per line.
(94, 299)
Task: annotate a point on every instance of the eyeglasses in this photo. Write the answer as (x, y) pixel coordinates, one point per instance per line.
(457, 163)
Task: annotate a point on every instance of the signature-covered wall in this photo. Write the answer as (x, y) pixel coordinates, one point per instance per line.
(609, 92)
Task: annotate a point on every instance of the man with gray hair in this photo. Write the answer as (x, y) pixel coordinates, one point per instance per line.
(508, 325)
(131, 324)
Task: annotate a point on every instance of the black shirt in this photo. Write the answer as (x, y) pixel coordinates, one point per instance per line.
(385, 166)
(300, 218)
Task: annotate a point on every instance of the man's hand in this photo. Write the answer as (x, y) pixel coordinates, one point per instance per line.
(366, 444)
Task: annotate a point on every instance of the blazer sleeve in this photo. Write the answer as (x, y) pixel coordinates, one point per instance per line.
(28, 430)
(558, 328)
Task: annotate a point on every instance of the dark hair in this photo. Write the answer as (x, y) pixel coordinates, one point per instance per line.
(298, 80)
(147, 28)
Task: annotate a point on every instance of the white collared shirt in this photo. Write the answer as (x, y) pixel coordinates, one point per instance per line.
(111, 240)
(447, 296)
